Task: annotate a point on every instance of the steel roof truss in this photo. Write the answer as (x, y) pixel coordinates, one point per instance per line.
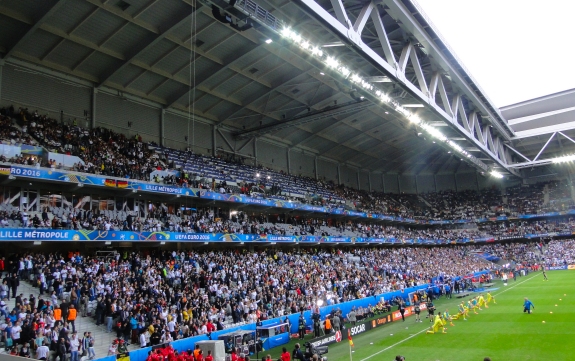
(346, 32)
(363, 17)
(418, 71)
(517, 152)
(568, 138)
(444, 97)
(545, 146)
(383, 38)
(404, 57)
(459, 109)
(477, 128)
(340, 13)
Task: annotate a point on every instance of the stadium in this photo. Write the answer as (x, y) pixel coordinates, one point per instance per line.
(276, 180)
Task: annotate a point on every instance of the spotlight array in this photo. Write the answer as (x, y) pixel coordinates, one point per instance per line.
(496, 174)
(334, 64)
(564, 159)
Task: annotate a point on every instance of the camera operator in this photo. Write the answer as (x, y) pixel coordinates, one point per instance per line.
(297, 353)
(313, 353)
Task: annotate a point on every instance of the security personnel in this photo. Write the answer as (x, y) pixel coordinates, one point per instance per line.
(72, 314)
(327, 326)
(301, 328)
(57, 315)
(316, 327)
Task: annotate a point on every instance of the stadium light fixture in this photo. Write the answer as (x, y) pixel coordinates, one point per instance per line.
(413, 105)
(496, 174)
(564, 159)
(269, 41)
(331, 62)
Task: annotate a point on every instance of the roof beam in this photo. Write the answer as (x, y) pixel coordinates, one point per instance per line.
(331, 124)
(305, 118)
(539, 116)
(544, 130)
(145, 8)
(178, 95)
(57, 5)
(183, 17)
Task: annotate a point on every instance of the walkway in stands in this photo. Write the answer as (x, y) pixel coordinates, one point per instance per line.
(102, 339)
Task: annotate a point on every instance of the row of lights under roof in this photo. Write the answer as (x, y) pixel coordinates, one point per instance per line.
(564, 159)
(347, 73)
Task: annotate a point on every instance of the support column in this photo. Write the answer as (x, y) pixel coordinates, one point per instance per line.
(358, 184)
(435, 182)
(1, 68)
(162, 125)
(256, 152)
(455, 179)
(369, 181)
(398, 184)
(416, 190)
(477, 181)
(93, 117)
(213, 140)
(315, 166)
(288, 161)
(338, 173)
(383, 182)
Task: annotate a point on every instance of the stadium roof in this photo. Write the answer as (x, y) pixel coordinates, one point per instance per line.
(544, 127)
(241, 75)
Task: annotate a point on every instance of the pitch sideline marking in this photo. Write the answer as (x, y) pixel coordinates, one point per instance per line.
(515, 285)
(425, 329)
(395, 344)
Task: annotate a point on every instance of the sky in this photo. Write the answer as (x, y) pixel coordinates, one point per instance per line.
(515, 49)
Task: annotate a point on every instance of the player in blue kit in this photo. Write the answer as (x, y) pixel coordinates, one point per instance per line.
(528, 305)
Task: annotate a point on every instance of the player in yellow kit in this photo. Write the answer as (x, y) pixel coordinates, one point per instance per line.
(471, 306)
(490, 298)
(447, 317)
(437, 325)
(481, 301)
(463, 311)
(475, 301)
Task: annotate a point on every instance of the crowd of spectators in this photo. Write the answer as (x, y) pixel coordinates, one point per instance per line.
(506, 230)
(165, 296)
(465, 204)
(106, 152)
(549, 254)
(214, 220)
(11, 135)
(152, 298)
(102, 151)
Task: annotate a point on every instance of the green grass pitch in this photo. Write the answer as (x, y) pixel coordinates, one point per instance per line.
(502, 332)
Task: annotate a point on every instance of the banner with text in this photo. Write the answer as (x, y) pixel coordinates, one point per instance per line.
(32, 234)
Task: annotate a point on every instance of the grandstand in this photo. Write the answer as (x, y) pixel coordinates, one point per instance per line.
(226, 163)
